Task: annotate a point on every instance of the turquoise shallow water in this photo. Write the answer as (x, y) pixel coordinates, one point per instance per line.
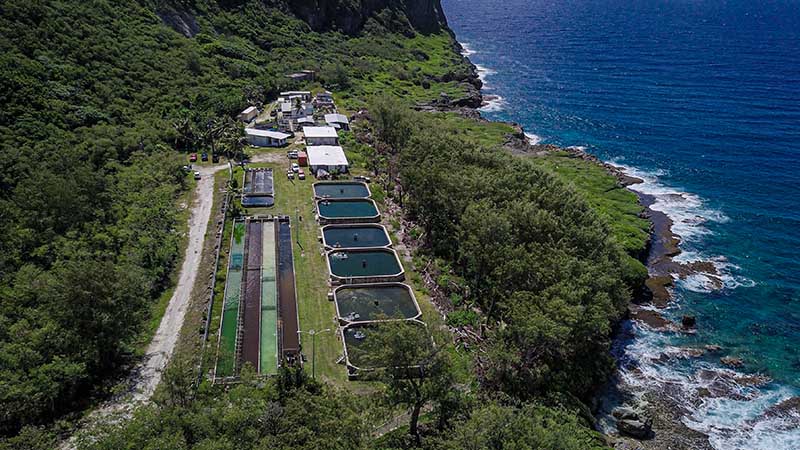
(702, 100)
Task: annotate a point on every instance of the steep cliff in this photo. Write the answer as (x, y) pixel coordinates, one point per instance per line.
(351, 16)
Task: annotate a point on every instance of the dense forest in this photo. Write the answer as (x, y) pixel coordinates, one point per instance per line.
(100, 102)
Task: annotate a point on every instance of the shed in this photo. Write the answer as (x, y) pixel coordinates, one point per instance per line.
(302, 158)
(338, 121)
(321, 136)
(305, 95)
(248, 114)
(330, 158)
(266, 138)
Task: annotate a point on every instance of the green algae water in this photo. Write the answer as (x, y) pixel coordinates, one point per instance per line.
(230, 308)
(341, 190)
(338, 209)
(364, 263)
(355, 236)
(365, 303)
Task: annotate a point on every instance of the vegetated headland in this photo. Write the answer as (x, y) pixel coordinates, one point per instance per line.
(524, 258)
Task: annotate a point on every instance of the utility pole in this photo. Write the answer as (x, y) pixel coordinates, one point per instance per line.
(313, 335)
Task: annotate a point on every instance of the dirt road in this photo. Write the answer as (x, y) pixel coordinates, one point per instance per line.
(144, 379)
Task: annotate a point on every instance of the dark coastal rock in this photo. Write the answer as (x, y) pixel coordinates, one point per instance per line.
(785, 408)
(713, 348)
(688, 321)
(625, 413)
(658, 287)
(731, 361)
(472, 98)
(651, 318)
(639, 429)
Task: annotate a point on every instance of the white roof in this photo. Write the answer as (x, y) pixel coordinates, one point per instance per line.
(250, 109)
(288, 93)
(320, 132)
(306, 119)
(286, 107)
(336, 118)
(266, 133)
(326, 155)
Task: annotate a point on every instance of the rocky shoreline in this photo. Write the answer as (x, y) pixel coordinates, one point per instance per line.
(652, 417)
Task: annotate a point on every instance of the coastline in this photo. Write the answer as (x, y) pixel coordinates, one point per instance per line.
(668, 430)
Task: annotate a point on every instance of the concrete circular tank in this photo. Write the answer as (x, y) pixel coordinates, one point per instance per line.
(355, 236)
(375, 302)
(341, 211)
(356, 265)
(341, 189)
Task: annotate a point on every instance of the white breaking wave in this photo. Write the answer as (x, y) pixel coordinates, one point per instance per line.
(732, 410)
(467, 50)
(533, 139)
(494, 103)
(484, 72)
(690, 216)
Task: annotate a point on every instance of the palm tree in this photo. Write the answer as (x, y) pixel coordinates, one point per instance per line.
(185, 137)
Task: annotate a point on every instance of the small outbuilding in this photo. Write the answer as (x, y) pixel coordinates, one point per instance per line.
(339, 121)
(248, 114)
(307, 121)
(330, 158)
(321, 136)
(324, 99)
(266, 138)
(304, 95)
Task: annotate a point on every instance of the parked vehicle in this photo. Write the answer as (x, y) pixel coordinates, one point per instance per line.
(295, 167)
(193, 157)
(196, 175)
(301, 174)
(292, 155)
(362, 178)
(204, 156)
(187, 168)
(290, 175)
(215, 158)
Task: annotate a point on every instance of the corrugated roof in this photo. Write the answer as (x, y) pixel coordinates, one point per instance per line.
(249, 109)
(326, 155)
(266, 133)
(336, 118)
(320, 132)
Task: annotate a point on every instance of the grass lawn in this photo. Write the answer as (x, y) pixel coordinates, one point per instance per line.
(295, 199)
(617, 205)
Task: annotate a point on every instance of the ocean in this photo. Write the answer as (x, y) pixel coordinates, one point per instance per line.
(700, 99)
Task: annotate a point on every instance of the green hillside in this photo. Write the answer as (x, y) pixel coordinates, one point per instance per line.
(101, 102)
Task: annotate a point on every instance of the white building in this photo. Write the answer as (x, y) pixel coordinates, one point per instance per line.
(248, 114)
(290, 113)
(339, 121)
(304, 95)
(324, 99)
(307, 121)
(330, 158)
(321, 136)
(266, 138)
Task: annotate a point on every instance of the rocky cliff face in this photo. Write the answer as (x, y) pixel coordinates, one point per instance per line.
(351, 16)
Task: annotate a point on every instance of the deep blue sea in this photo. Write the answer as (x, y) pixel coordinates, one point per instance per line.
(701, 98)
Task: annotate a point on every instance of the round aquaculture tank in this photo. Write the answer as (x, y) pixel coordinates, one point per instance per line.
(341, 189)
(361, 355)
(355, 265)
(375, 302)
(355, 236)
(341, 211)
